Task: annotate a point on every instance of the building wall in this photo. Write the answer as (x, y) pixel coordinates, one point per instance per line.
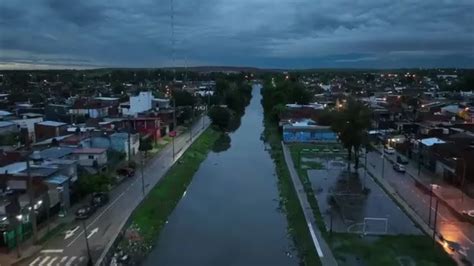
(43, 132)
(140, 103)
(8, 129)
(29, 124)
(120, 143)
(324, 136)
(88, 159)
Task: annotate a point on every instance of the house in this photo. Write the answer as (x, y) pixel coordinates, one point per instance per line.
(28, 121)
(119, 142)
(8, 127)
(91, 157)
(308, 131)
(147, 126)
(137, 104)
(50, 129)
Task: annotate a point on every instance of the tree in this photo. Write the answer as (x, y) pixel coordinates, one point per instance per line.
(183, 98)
(145, 145)
(351, 124)
(220, 117)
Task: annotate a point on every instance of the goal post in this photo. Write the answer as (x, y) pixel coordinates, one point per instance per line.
(375, 226)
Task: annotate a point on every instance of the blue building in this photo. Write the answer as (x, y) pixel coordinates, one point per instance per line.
(308, 131)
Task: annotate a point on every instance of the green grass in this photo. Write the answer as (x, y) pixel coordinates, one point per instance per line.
(295, 150)
(385, 250)
(296, 220)
(151, 215)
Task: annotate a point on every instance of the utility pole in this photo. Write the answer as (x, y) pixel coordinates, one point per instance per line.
(431, 203)
(31, 194)
(89, 261)
(143, 178)
(435, 220)
(129, 140)
(174, 123)
(365, 164)
(383, 163)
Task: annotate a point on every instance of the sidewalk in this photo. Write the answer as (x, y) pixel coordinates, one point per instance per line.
(448, 194)
(322, 248)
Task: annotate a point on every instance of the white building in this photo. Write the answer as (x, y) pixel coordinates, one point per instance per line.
(137, 104)
(29, 120)
(87, 156)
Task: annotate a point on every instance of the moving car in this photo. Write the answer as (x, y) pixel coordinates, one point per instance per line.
(389, 150)
(85, 212)
(99, 199)
(399, 167)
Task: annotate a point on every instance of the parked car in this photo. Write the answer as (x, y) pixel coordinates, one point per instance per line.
(99, 199)
(85, 212)
(126, 171)
(399, 168)
(402, 160)
(389, 150)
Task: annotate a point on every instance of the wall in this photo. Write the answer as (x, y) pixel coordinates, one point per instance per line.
(84, 159)
(29, 124)
(309, 136)
(140, 103)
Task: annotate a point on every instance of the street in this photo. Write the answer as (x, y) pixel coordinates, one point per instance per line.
(448, 225)
(69, 247)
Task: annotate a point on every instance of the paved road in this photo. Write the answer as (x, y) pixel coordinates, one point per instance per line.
(448, 225)
(70, 248)
(322, 248)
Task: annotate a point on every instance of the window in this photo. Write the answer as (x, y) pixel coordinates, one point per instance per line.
(91, 156)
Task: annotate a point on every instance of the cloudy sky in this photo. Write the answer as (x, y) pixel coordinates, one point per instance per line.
(260, 33)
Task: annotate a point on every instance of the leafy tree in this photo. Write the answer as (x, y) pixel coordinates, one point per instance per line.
(351, 124)
(145, 145)
(220, 117)
(183, 98)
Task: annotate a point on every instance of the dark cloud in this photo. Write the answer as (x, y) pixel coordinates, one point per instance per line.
(264, 33)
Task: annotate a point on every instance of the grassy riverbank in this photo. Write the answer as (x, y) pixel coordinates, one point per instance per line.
(296, 220)
(150, 217)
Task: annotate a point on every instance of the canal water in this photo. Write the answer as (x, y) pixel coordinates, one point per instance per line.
(230, 212)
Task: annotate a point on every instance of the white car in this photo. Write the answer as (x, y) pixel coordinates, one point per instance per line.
(389, 150)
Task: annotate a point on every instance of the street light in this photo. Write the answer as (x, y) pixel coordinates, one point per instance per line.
(35, 156)
(463, 175)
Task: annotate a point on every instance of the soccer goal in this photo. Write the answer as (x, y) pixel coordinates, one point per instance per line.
(375, 226)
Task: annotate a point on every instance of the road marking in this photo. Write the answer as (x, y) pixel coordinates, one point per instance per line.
(70, 233)
(52, 251)
(71, 261)
(100, 215)
(52, 261)
(93, 231)
(35, 261)
(44, 260)
(63, 259)
(315, 241)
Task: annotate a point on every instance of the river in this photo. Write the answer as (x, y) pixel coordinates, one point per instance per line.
(230, 212)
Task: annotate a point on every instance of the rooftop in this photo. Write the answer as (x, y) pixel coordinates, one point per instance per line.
(90, 151)
(51, 123)
(6, 124)
(55, 152)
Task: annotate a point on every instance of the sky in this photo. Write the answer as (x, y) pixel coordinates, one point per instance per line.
(256, 33)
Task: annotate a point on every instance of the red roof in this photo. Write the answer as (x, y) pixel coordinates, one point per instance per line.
(89, 151)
